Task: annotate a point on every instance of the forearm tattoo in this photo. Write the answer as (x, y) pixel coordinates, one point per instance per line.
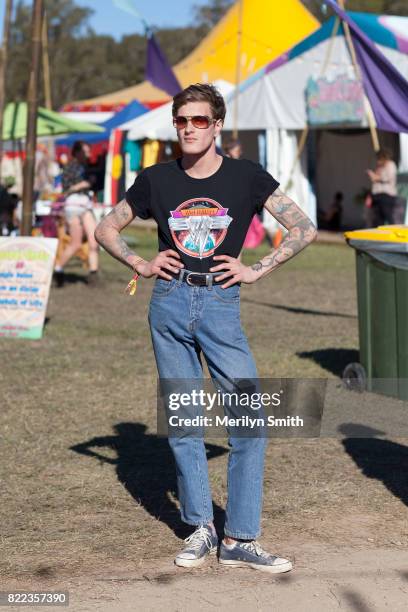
(301, 231)
(107, 234)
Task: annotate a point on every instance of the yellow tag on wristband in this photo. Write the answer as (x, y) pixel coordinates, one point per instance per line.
(132, 285)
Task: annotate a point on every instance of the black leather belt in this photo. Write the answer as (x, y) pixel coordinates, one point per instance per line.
(197, 278)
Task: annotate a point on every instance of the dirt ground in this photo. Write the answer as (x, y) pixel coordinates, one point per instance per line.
(88, 491)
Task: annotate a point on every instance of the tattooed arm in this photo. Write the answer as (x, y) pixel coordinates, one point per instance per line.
(107, 234)
(301, 232)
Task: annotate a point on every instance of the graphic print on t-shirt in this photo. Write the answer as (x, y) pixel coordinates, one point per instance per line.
(199, 226)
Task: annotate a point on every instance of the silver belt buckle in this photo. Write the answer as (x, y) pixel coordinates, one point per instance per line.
(188, 279)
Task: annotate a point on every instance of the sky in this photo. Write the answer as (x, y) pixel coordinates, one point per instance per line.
(108, 19)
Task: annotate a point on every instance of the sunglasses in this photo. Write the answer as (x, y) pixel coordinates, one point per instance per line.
(202, 122)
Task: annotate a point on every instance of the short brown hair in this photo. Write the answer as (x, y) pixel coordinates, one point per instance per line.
(201, 92)
(384, 153)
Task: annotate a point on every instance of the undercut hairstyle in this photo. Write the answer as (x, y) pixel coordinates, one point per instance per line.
(201, 92)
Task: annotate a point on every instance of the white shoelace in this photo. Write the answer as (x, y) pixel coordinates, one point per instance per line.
(255, 547)
(195, 540)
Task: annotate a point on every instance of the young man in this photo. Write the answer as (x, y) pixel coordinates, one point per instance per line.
(203, 204)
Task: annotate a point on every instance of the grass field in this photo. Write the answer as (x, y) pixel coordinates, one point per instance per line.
(86, 483)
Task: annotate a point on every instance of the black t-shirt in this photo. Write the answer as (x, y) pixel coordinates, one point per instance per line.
(201, 218)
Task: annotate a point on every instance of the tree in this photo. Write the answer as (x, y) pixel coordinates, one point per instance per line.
(209, 15)
(84, 64)
(382, 7)
(67, 23)
(179, 42)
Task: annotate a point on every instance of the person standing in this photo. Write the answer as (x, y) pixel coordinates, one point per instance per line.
(203, 204)
(233, 148)
(76, 184)
(383, 188)
(256, 231)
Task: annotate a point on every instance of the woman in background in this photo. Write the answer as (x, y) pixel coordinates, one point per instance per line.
(76, 185)
(384, 188)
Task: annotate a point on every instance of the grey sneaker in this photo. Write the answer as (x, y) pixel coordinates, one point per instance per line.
(199, 544)
(250, 554)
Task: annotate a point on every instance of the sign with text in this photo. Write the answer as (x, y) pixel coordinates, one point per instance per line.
(26, 266)
(334, 102)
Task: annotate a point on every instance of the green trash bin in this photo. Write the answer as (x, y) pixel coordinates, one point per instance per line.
(382, 293)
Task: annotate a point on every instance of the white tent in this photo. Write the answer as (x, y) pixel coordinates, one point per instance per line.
(275, 96)
(274, 100)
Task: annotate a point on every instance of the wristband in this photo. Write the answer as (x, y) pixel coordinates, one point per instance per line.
(132, 285)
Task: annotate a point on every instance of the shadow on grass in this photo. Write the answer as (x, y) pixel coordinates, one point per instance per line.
(145, 466)
(70, 278)
(379, 459)
(332, 359)
(297, 310)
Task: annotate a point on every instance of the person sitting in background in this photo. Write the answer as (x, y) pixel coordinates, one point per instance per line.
(384, 188)
(80, 219)
(332, 216)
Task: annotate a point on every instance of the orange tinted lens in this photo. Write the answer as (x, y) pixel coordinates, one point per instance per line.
(180, 122)
(200, 121)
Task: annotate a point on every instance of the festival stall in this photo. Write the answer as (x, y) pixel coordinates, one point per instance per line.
(49, 125)
(313, 86)
(99, 142)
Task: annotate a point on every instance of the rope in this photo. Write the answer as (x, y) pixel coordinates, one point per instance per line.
(330, 47)
(368, 109)
(367, 105)
(305, 131)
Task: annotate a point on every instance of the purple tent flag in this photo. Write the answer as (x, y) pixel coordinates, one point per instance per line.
(158, 70)
(384, 85)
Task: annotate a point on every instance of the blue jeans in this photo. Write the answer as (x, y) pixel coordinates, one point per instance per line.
(186, 321)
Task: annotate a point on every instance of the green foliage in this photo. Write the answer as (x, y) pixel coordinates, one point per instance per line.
(187, 39)
(209, 15)
(70, 41)
(381, 7)
(84, 64)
